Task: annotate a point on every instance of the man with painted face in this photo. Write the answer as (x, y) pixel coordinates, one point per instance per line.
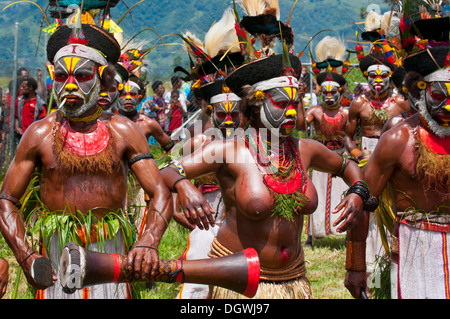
(82, 155)
(329, 119)
(224, 120)
(132, 93)
(370, 111)
(263, 179)
(413, 158)
(108, 100)
(130, 96)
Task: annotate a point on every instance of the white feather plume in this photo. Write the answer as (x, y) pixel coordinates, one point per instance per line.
(257, 7)
(222, 35)
(330, 48)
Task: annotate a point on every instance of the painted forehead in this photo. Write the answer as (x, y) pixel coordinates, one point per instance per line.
(378, 68)
(284, 93)
(226, 106)
(72, 63)
(131, 87)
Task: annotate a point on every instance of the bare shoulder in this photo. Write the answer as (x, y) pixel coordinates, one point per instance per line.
(120, 124)
(395, 139)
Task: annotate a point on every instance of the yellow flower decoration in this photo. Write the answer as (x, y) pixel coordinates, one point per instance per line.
(404, 89)
(120, 87)
(210, 107)
(421, 85)
(366, 73)
(259, 95)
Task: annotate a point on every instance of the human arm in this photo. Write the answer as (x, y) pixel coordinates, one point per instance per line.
(350, 128)
(143, 257)
(205, 160)
(4, 275)
(14, 185)
(325, 160)
(376, 173)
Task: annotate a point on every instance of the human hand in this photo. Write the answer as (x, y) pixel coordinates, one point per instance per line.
(143, 257)
(352, 207)
(355, 282)
(194, 205)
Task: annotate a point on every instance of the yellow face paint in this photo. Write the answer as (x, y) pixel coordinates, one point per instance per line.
(228, 106)
(70, 63)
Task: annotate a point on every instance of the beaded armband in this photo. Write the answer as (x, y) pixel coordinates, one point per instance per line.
(179, 167)
(355, 255)
(13, 200)
(169, 146)
(342, 169)
(139, 157)
(361, 188)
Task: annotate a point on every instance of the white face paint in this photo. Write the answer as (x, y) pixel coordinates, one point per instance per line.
(434, 107)
(77, 85)
(378, 78)
(330, 94)
(129, 97)
(278, 111)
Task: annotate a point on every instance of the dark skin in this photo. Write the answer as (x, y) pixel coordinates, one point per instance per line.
(81, 192)
(249, 203)
(4, 268)
(149, 127)
(28, 93)
(393, 162)
(359, 114)
(315, 113)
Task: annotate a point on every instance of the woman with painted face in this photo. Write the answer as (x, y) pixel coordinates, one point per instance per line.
(262, 176)
(413, 159)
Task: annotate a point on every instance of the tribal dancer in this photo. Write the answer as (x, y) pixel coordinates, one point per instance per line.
(329, 119)
(413, 159)
(263, 180)
(225, 119)
(82, 155)
(371, 110)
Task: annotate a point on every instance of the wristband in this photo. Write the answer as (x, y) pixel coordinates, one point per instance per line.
(175, 183)
(179, 167)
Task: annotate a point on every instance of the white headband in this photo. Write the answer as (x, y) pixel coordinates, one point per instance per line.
(380, 67)
(282, 81)
(332, 83)
(439, 75)
(131, 83)
(80, 50)
(224, 97)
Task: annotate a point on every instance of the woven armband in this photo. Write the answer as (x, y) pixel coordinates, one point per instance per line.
(179, 168)
(355, 255)
(139, 157)
(169, 146)
(13, 200)
(342, 169)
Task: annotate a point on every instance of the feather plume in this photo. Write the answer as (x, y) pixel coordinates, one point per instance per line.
(373, 21)
(222, 35)
(330, 48)
(192, 38)
(252, 7)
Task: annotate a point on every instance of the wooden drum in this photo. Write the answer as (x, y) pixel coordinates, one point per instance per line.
(80, 267)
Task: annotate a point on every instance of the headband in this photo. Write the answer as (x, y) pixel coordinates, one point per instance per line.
(282, 81)
(439, 75)
(380, 67)
(332, 83)
(224, 97)
(81, 50)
